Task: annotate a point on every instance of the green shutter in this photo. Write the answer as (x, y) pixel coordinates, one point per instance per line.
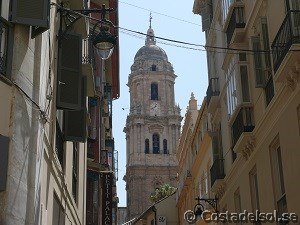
(75, 126)
(4, 147)
(69, 72)
(258, 62)
(31, 12)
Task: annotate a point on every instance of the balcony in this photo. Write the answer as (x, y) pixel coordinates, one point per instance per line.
(243, 122)
(235, 30)
(212, 94)
(4, 29)
(217, 171)
(285, 43)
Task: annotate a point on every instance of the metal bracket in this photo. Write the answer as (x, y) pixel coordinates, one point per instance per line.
(212, 201)
(69, 17)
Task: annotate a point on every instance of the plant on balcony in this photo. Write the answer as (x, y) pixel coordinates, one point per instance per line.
(162, 192)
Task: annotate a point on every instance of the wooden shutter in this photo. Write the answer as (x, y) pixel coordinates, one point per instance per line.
(206, 16)
(4, 147)
(258, 63)
(31, 12)
(69, 72)
(75, 127)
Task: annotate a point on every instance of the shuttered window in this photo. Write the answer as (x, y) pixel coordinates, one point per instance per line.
(262, 57)
(75, 127)
(69, 72)
(258, 63)
(4, 147)
(278, 177)
(31, 12)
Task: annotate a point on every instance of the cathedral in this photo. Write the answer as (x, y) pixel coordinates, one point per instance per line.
(152, 126)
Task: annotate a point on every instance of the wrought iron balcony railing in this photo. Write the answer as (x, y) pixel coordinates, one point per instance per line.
(243, 122)
(213, 89)
(217, 171)
(288, 34)
(237, 20)
(4, 29)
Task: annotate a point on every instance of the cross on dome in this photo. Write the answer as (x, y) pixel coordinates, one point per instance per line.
(150, 39)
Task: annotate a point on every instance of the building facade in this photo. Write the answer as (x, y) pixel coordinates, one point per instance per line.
(46, 80)
(195, 156)
(152, 126)
(253, 98)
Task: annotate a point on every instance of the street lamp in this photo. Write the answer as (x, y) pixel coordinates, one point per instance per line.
(102, 40)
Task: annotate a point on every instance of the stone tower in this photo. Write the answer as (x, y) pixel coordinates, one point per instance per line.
(152, 126)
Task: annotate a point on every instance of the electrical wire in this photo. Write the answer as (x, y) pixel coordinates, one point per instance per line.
(206, 47)
(158, 13)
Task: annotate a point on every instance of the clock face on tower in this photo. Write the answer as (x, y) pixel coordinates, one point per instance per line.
(154, 109)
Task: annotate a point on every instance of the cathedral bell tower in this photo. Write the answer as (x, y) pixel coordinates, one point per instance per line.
(152, 126)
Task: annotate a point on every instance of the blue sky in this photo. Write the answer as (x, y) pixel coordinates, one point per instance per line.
(189, 65)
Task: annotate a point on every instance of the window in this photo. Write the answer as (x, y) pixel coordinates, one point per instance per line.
(165, 144)
(262, 61)
(254, 191)
(153, 68)
(155, 139)
(277, 175)
(154, 91)
(237, 84)
(58, 217)
(75, 171)
(147, 146)
(226, 7)
(237, 202)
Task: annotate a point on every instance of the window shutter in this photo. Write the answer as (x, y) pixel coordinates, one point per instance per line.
(31, 12)
(206, 16)
(4, 147)
(75, 126)
(69, 72)
(258, 63)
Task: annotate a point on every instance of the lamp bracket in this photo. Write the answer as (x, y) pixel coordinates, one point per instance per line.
(212, 201)
(69, 17)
